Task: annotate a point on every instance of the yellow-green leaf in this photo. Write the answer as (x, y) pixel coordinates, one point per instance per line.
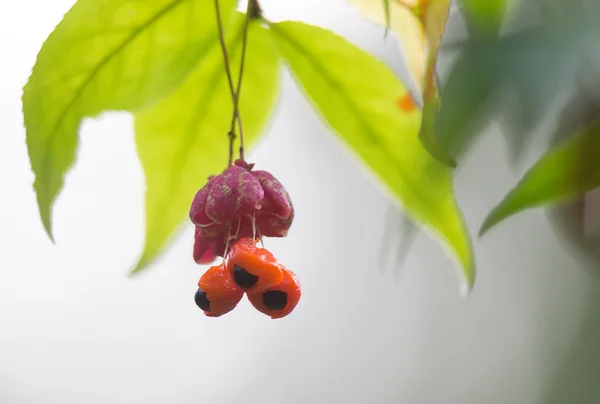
(568, 170)
(106, 55)
(183, 139)
(357, 95)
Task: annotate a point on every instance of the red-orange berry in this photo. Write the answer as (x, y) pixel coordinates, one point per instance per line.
(252, 268)
(280, 300)
(217, 293)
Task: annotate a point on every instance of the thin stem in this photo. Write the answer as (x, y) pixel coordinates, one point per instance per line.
(236, 112)
(227, 239)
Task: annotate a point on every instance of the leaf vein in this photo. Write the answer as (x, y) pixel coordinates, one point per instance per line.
(94, 72)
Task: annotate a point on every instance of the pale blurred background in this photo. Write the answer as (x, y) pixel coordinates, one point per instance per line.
(75, 329)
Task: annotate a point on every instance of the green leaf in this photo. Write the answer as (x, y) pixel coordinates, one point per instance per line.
(183, 139)
(357, 95)
(568, 170)
(436, 15)
(106, 55)
(484, 17)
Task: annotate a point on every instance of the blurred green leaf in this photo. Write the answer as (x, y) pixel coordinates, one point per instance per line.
(532, 66)
(427, 133)
(357, 95)
(466, 99)
(106, 55)
(401, 229)
(568, 170)
(386, 7)
(183, 139)
(484, 17)
(540, 63)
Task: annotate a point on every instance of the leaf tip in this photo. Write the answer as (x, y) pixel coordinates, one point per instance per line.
(465, 263)
(468, 280)
(46, 217)
(141, 265)
(467, 266)
(435, 150)
(50, 235)
(442, 157)
(483, 229)
(148, 257)
(490, 221)
(465, 289)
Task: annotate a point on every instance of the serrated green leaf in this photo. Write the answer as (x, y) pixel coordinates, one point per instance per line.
(106, 55)
(183, 139)
(484, 17)
(357, 95)
(568, 170)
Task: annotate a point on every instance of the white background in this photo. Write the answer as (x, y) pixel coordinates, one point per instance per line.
(74, 329)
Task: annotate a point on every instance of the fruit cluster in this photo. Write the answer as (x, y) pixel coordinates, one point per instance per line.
(271, 288)
(231, 212)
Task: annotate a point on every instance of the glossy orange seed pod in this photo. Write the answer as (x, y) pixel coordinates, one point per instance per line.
(217, 294)
(280, 300)
(252, 268)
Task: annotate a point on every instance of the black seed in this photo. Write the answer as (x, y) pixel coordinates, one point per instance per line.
(201, 300)
(275, 300)
(243, 278)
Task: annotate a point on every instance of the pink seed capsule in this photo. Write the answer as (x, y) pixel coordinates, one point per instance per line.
(238, 203)
(274, 226)
(198, 209)
(203, 248)
(233, 194)
(276, 200)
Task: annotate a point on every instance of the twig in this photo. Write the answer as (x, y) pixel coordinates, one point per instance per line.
(236, 112)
